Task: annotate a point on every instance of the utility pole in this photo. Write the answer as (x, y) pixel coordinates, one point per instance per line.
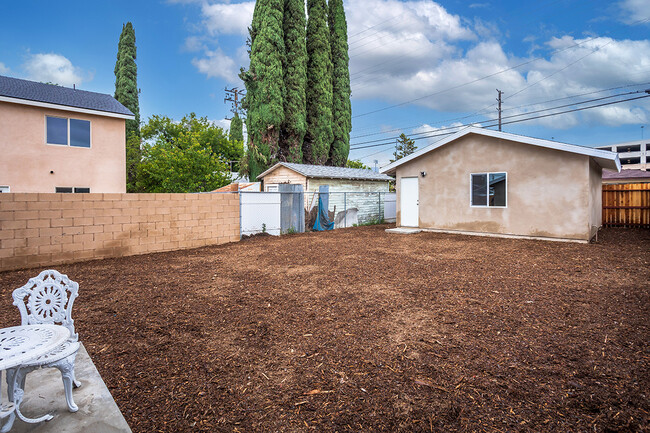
(499, 107)
(234, 95)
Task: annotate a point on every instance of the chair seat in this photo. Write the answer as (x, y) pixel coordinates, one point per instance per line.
(61, 352)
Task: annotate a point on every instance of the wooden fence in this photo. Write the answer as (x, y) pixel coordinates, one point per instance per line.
(626, 205)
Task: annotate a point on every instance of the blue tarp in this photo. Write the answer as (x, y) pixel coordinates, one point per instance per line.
(322, 222)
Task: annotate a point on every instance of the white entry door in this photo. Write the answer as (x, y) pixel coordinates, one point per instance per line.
(409, 202)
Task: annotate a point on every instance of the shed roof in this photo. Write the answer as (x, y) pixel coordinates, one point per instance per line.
(626, 174)
(604, 158)
(52, 96)
(327, 172)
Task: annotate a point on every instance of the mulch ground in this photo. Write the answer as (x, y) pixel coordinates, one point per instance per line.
(359, 330)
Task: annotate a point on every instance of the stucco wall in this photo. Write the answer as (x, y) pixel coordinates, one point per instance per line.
(595, 197)
(27, 160)
(547, 190)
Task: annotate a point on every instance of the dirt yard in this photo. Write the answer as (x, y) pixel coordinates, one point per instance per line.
(359, 330)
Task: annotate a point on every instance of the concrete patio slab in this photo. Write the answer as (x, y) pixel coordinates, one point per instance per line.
(403, 230)
(97, 413)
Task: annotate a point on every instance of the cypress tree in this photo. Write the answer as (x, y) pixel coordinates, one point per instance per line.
(295, 79)
(126, 92)
(316, 149)
(341, 108)
(236, 132)
(265, 86)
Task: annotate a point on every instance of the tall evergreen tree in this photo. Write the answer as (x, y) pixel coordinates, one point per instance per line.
(316, 149)
(236, 132)
(341, 108)
(295, 80)
(264, 81)
(126, 92)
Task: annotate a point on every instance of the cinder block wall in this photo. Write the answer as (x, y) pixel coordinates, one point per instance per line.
(50, 229)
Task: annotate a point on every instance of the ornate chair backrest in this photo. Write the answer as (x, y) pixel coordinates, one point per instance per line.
(47, 299)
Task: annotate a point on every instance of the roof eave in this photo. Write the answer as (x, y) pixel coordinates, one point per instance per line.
(605, 158)
(66, 108)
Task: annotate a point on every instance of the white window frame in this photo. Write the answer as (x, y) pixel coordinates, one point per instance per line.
(487, 206)
(273, 187)
(4, 188)
(74, 188)
(68, 121)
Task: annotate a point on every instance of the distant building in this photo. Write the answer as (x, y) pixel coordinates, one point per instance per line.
(633, 154)
(57, 139)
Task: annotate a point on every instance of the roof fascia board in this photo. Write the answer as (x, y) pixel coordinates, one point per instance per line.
(65, 108)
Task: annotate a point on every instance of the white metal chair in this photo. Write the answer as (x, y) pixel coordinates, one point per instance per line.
(48, 299)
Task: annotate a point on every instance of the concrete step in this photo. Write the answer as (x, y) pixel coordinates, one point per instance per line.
(44, 393)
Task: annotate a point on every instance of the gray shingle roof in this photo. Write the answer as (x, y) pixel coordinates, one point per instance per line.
(625, 174)
(48, 93)
(326, 172)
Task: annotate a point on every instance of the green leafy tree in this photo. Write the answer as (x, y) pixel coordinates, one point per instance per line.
(208, 134)
(265, 88)
(295, 80)
(187, 156)
(318, 139)
(355, 163)
(126, 92)
(404, 147)
(341, 107)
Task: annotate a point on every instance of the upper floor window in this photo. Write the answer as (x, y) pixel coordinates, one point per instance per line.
(488, 189)
(67, 132)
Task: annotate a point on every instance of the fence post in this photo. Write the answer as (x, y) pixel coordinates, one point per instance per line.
(345, 209)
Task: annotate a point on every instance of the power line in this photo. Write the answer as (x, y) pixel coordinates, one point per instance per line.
(412, 136)
(511, 116)
(470, 82)
(484, 77)
(474, 114)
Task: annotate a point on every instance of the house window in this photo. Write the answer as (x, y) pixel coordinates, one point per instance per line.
(4, 188)
(69, 190)
(67, 132)
(489, 189)
(272, 188)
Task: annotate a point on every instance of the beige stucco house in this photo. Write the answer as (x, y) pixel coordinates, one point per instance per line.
(484, 181)
(57, 139)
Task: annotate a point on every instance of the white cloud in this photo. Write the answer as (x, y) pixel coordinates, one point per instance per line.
(231, 18)
(404, 50)
(635, 11)
(3, 69)
(216, 64)
(583, 65)
(53, 68)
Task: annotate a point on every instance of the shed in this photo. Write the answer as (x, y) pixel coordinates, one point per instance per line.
(481, 181)
(358, 188)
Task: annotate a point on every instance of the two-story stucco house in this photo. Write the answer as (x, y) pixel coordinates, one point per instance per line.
(57, 139)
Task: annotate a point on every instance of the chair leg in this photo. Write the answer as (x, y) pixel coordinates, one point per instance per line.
(66, 367)
(11, 383)
(16, 378)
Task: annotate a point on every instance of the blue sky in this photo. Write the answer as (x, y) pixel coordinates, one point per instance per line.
(401, 51)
